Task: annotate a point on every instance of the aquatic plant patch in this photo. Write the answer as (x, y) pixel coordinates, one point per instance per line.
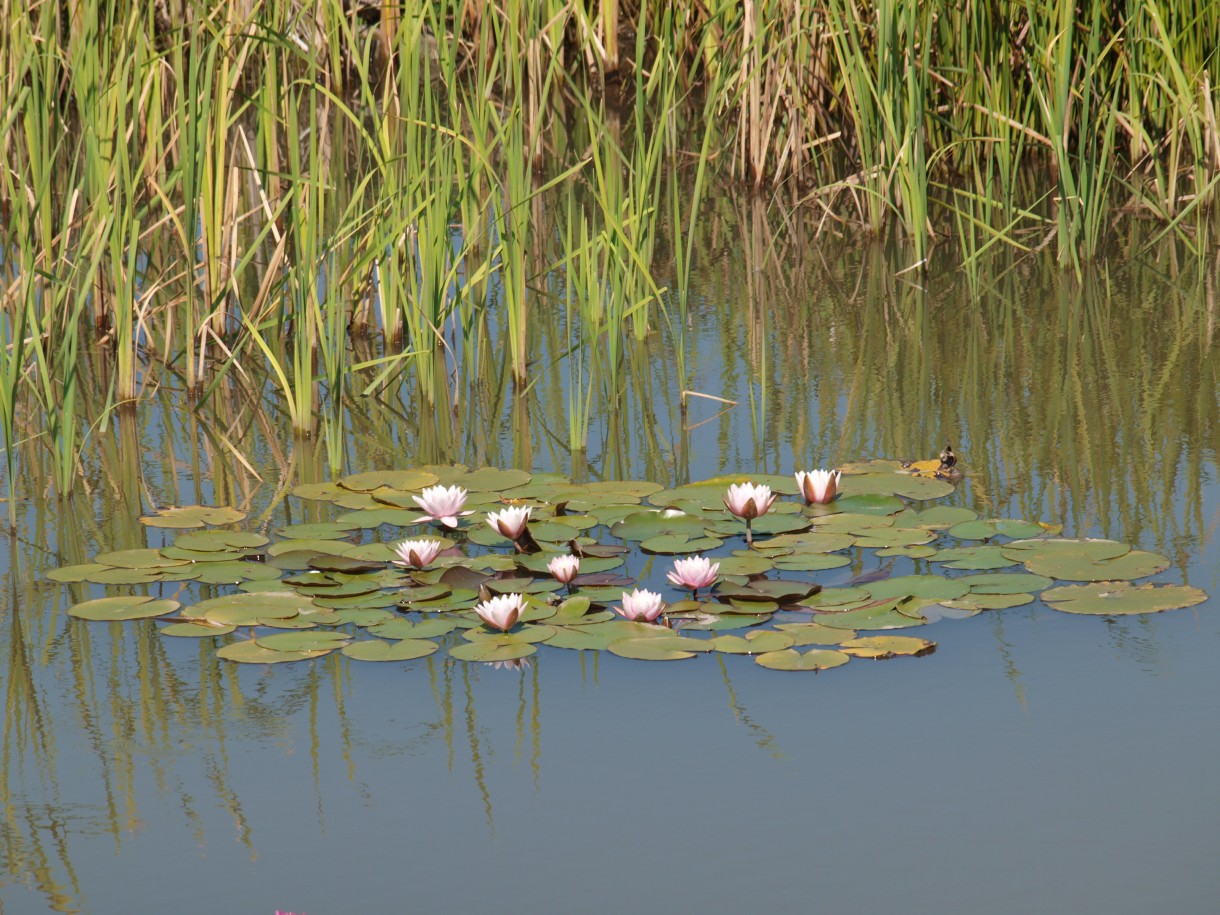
(491, 565)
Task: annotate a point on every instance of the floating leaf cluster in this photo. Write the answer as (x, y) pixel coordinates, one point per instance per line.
(311, 589)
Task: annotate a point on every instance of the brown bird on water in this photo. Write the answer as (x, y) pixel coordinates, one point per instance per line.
(948, 464)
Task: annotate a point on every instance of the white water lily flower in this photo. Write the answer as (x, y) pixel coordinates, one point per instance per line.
(443, 504)
(748, 500)
(818, 486)
(502, 611)
(694, 572)
(510, 522)
(417, 553)
(564, 568)
(641, 606)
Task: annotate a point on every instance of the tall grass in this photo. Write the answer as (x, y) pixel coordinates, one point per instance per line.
(228, 190)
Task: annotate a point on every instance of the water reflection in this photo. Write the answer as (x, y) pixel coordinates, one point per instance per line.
(1090, 401)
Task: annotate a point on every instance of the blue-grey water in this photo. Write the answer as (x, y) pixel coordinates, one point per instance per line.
(1036, 762)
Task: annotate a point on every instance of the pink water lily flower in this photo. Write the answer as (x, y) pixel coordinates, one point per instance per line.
(818, 486)
(443, 504)
(502, 611)
(417, 553)
(510, 522)
(693, 572)
(641, 606)
(564, 568)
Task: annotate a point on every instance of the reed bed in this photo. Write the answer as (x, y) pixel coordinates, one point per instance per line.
(340, 198)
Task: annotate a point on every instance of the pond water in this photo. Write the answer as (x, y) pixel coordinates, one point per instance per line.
(1037, 761)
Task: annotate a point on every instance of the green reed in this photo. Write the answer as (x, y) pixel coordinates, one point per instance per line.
(250, 188)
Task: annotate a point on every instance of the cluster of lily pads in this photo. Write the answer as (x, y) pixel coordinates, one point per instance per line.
(496, 562)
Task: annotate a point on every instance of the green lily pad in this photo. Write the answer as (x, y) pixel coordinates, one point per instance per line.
(811, 562)
(136, 559)
(247, 651)
(756, 642)
(977, 602)
(815, 634)
(837, 599)
(894, 537)
(219, 540)
(76, 573)
(320, 640)
(942, 517)
(491, 650)
(880, 647)
(931, 587)
(392, 479)
(1135, 564)
(672, 544)
(910, 552)
(493, 479)
(851, 523)
(1006, 583)
(985, 530)
(1120, 598)
(126, 607)
(233, 572)
(744, 563)
(645, 525)
(893, 484)
(109, 575)
(791, 660)
(783, 591)
(817, 541)
(192, 516)
(870, 503)
(664, 648)
(974, 558)
(522, 633)
(377, 650)
(1064, 549)
(317, 530)
(882, 616)
(196, 630)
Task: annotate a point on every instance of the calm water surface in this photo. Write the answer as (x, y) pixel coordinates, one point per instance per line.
(1036, 762)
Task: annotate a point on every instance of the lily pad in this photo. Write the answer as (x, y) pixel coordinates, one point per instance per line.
(756, 642)
(136, 559)
(196, 630)
(219, 540)
(985, 530)
(377, 650)
(974, 557)
(791, 660)
(977, 602)
(942, 517)
(870, 503)
(931, 587)
(320, 640)
(894, 484)
(393, 479)
(1120, 598)
(491, 650)
(815, 634)
(1006, 583)
(76, 573)
(879, 647)
(882, 616)
(192, 516)
(663, 648)
(126, 607)
(1135, 564)
(247, 651)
